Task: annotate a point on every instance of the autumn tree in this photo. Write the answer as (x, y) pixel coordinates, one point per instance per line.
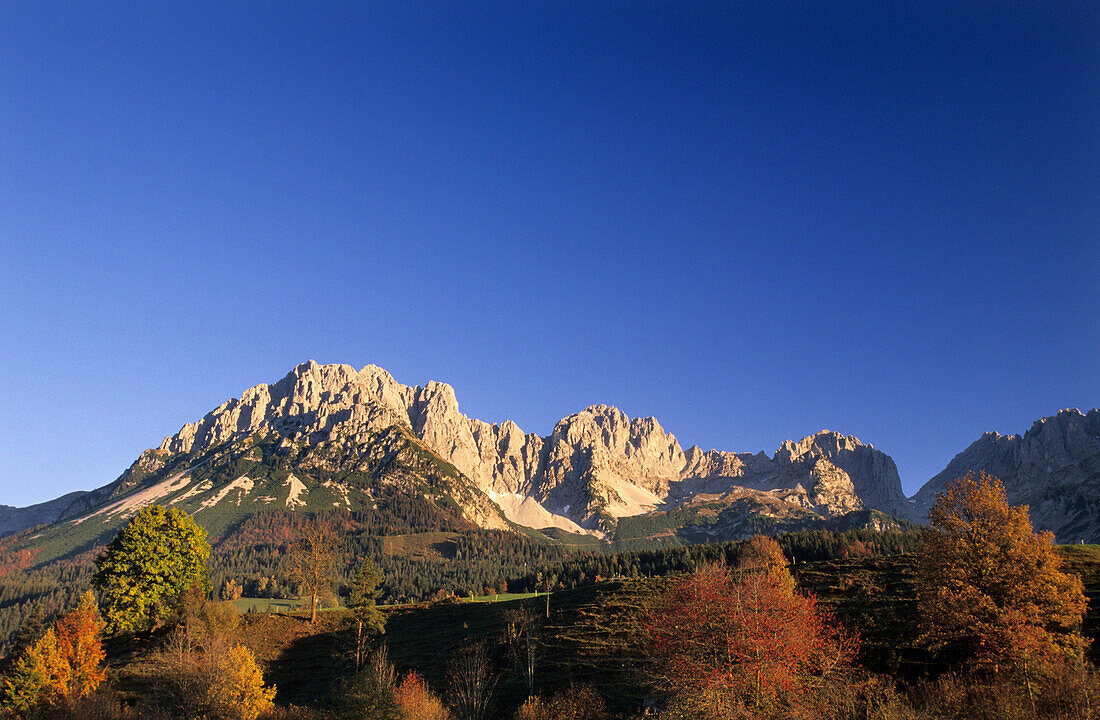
(63, 665)
(160, 553)
(362, 599)
(744, 644)
(761, 554)
(239, 689)
(416, 701)
(311, 565)
(991, 590)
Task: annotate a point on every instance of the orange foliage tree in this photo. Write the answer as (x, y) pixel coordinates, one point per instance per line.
(65, 664)
(416, 701)
(80, 649)
(990, 589)
(745, 643)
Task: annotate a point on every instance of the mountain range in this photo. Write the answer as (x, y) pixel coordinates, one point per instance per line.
(330, 436)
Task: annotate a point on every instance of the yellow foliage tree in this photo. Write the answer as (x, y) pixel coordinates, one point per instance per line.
(991, 590)
(761, 554)
(239, 691)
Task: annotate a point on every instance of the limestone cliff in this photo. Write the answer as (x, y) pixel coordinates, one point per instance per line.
(595, 466)
(1054, 468)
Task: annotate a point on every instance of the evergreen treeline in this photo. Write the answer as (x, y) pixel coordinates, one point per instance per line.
(459, 562)
(801, 546)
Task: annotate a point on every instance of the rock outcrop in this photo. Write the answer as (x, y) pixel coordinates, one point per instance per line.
(1054, 468)
(595, 466)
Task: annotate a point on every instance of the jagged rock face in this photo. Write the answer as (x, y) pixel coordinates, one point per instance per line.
(873, 474)
(596, 465)
(1054, 468)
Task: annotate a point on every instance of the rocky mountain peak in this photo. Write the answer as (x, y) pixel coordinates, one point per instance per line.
(596, 465)
(873, 474)
(825, 443)
(1053, 468)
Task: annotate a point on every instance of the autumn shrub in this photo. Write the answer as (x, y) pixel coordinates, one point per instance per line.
(294, 712)
(97, 706)
(218, 680)
(860, 697)
(1064, 691)
(416, 701)
(577, 702)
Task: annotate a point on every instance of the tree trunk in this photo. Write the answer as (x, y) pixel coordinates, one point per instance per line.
(1030, 693)
(312, 608)
(358, 644)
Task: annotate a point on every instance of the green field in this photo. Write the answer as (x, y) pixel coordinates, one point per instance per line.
(502, 597)
(265, 605)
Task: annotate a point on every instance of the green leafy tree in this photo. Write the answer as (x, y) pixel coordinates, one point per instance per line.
(158, 555)
(362, 600)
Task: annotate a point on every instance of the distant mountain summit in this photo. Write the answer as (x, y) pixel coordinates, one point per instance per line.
(331, 436)
(1054, 469)
(596, 466)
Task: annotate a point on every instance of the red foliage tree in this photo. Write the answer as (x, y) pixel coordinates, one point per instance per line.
(745, 644)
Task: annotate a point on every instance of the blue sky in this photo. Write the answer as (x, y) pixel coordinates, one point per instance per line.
(749, 220)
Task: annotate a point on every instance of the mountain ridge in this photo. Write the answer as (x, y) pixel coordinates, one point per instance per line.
(596, 465)
(323, 424)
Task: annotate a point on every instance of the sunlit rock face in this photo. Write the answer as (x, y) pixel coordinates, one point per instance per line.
(1054, 469)
(595, 466)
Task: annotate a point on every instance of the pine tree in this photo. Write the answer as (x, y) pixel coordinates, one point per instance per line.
(361, 600)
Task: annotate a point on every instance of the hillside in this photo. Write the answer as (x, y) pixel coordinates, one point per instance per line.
(596, 633)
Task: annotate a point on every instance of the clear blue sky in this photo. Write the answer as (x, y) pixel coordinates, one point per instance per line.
(752, 221)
